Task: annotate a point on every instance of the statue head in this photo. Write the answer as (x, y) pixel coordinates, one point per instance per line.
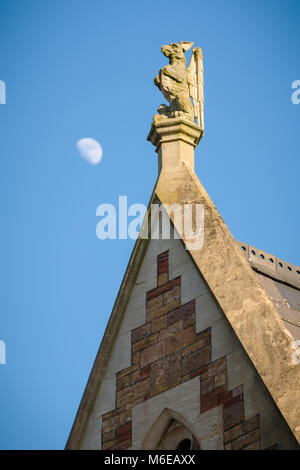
(175, 52)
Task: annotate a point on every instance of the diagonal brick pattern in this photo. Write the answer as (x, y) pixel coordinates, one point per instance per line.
(165, 352)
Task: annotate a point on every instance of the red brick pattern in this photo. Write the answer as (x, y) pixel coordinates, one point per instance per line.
(167, 351)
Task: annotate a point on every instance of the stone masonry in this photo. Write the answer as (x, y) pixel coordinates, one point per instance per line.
(165, 352)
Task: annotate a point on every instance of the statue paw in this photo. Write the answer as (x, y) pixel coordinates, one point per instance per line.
(182, 114)
(178, 114)
(164, 109)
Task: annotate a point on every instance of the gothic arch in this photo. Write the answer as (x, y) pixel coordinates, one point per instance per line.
(170, 431)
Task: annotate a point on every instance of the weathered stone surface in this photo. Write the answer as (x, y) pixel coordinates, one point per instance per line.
(256, 398)
(217, 367)
(233, 433)
(140, 333)
(162, 279)
(171, 330)
(199, 343)
(223, 340)
(221, 379)
(145, 342)
(124, 396)
(195, 360)
(255, 446)
(250, 424)
(128, 370)
(209, 423)
(153, 353)
(141, 389)
(163, 289)
(142, 373)
(108, 436)
(179, 84)
(213, 398)
(240, 369)
(233, 414)
(274, 431)
(135, 358)
(159, 324)
(183, 399)
(111, 423)
(192, 286)
(207, 311)
(105, 400)
(185, 312)
(164, 309)
(245, 304)
(247, 439)
(125, 381)
(165, 373)
(213, 443)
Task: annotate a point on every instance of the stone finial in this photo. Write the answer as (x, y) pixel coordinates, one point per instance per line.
(182, 87)
(178, 128)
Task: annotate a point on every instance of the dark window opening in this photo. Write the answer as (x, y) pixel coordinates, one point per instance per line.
(185, 444)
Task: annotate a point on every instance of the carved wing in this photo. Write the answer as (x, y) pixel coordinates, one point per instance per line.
(195, 82)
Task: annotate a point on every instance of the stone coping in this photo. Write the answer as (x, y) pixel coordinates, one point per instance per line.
(168, 130)
(272, 266)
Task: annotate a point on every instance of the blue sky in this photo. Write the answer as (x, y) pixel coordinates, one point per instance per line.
(76, 69)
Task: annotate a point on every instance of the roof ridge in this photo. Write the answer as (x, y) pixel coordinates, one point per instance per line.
(271, 265)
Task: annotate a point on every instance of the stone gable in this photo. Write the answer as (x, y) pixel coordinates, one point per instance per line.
(174, 335)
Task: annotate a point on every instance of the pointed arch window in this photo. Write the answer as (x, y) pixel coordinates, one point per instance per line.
(171, 431)
(178, 437)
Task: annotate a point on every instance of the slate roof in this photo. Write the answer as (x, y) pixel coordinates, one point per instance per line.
(281, 281)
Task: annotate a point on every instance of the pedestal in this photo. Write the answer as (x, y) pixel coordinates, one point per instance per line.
(175, 140)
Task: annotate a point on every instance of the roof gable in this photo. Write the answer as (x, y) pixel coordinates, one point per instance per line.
(247, 306)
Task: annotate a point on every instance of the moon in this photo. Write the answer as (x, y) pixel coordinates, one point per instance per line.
(90, 150)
